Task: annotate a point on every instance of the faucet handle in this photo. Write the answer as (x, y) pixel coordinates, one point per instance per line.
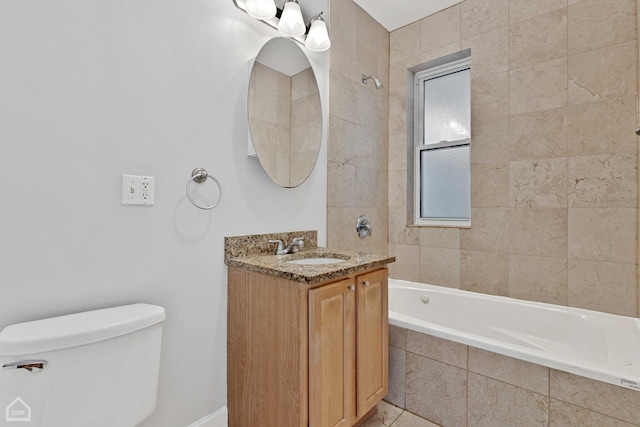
(279, 242)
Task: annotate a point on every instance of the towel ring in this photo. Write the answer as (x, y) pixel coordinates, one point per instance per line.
(199, 175)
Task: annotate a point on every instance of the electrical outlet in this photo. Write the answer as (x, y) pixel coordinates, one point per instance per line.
(138, 190)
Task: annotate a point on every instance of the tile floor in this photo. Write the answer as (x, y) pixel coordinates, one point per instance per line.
(390, 415)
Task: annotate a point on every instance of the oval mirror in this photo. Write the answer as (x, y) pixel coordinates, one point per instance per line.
(285, 114)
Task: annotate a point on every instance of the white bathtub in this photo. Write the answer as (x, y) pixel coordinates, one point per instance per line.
(596, 345)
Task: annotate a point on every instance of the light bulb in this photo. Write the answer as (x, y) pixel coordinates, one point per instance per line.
(261, 9)
(318, 37)
(291, 23)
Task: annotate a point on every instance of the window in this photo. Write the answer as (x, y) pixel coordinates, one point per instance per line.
(441, 170)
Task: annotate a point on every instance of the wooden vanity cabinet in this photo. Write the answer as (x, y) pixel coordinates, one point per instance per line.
(306, 355)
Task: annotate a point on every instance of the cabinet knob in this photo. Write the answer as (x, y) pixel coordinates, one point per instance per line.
(366, 284)
(352, 288)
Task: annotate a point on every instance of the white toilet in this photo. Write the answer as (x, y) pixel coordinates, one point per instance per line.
(95, 369)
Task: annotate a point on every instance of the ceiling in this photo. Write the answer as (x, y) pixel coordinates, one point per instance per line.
(396, 14)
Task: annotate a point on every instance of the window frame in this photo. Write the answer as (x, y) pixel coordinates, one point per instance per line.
(419, 77)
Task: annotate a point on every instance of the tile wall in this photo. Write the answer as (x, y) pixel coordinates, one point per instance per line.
(554, 154)
(358, 128)
(454, 385)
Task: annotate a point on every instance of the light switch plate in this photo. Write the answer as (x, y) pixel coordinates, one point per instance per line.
(138, 190)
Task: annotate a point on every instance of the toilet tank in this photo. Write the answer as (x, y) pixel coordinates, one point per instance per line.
(97, 368)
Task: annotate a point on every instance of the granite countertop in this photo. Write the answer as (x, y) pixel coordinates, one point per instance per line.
(279, 266)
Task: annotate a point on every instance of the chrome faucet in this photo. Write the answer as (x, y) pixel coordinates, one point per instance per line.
(364, 227)
(293, 247)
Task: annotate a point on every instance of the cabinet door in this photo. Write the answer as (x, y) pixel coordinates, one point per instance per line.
(372, 342)
(332, 355)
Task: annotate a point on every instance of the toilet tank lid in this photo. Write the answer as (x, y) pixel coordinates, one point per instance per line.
(77, 329)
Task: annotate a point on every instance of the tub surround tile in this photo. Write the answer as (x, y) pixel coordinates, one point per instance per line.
(405, 42)
(509, 370)
(538, 231)
(428, 55)
(490, 52)
(537, 278)
(407, 266)
(496, 404)
(440, 29)
(397, 337)
(538, 183)
(440, 266)
(605, 73)
(602, 127)
(603, 286)
(440, 237)
(599, 23)
(399, 233)
(486, 272)
(603, 234)
(436, 391)
(538, 39)
(607, 399)
(490, 140)
(563, 414)
(538, 135)
(606, 180)
(489, 186)
(488, 232)
(540, 86)
(397, 377)
(524, 9)
(490, 98)
(445, 351)
(481, 16)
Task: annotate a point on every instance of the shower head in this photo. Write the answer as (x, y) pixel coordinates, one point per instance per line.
(375, 80)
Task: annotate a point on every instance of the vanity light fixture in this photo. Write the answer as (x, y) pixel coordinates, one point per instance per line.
(261, 9)
(289, 22)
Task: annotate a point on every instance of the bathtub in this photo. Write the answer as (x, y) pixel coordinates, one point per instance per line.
(595, 345)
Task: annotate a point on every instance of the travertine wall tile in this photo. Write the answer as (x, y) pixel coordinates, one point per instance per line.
(487, 232)
(486, 272)
(490, 97)
(407, 265)
(603, 286)
(490, 52)
(538, 39)
(563, 414)
(605, 73)
(445, 351)
(538, 231)
(538, 134)
(397, 375)
(525, 9)
(496, 404)
(440, 29)
(607, 399)
(428, 55)
(481, 16)
(489, 187)
(541, 86)
(490, 138)
(405, 42)
(398, 230)
(397, 337)
(436, 391)
(603, 234)
(608, 180)
(440, 266)
(602, 127)
(538, 183)
(538, 278)
(440, 237)
(599, 23)
(509, 370)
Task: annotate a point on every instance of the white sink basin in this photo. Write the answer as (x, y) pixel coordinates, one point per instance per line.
(316, 261)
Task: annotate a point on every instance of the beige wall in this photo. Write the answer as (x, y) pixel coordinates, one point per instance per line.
(358, 128)
(554, 156)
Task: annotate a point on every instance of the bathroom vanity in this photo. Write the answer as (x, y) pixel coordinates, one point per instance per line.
(307, 341)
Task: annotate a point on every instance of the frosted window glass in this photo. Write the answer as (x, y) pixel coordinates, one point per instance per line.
(445, 176)
(447, 109)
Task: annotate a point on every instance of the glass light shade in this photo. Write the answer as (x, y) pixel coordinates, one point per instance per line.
(318, 37)
(261, 9)
(291, 23)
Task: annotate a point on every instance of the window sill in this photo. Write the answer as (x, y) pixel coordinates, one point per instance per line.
(442, 223)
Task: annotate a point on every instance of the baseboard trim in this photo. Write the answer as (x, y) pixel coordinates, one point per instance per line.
(217, 419)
